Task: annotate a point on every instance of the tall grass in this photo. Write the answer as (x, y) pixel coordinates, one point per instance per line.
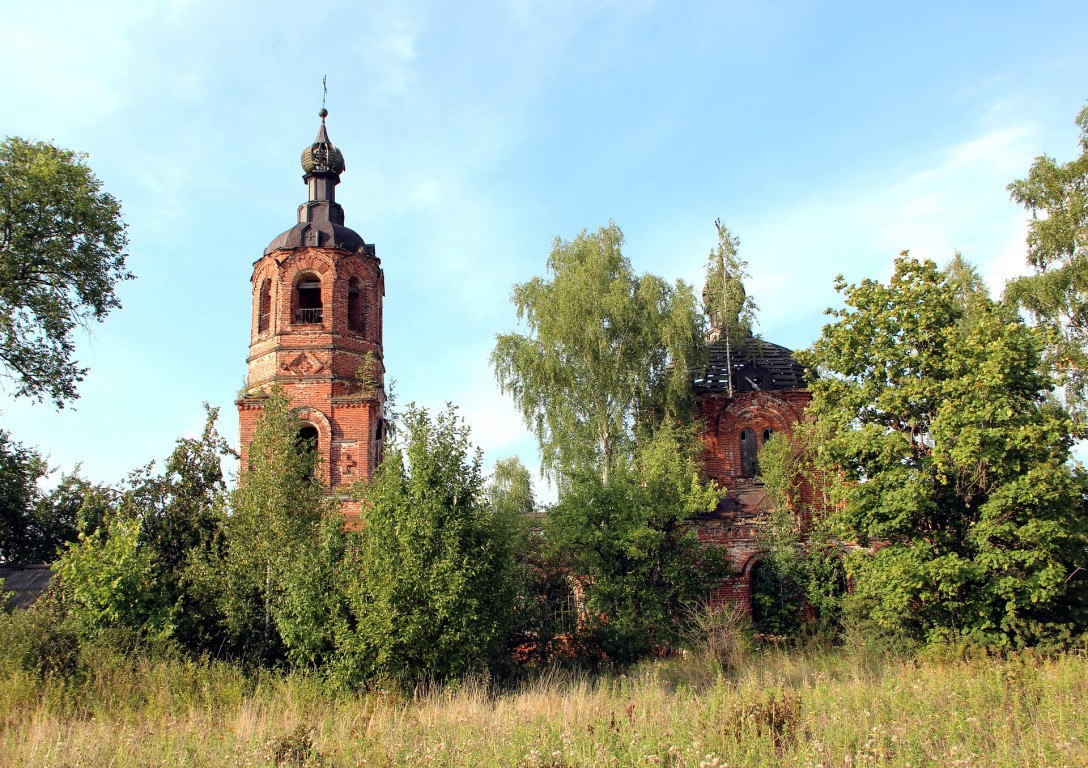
(805, 709)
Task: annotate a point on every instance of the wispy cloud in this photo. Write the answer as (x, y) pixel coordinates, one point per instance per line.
(951, 199)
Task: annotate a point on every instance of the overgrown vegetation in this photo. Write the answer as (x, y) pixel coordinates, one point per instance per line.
(430, 588)
(771, 709)
(639, 565)
(603, 378)
(948, 464)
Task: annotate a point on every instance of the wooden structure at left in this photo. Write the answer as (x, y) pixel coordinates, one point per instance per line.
(316, 332)
(22, 584)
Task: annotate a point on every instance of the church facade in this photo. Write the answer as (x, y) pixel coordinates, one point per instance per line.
(316, 331)
(745, 395)
(316, 334)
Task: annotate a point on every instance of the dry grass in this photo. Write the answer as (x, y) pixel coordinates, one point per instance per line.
(830, 709)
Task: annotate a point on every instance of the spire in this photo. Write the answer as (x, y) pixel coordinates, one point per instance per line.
(320, 218)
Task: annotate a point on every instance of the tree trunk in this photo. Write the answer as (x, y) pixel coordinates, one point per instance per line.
(267, 602)
(606, 453)
(729, 363)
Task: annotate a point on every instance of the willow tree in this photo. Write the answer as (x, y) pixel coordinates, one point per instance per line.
(607, 353)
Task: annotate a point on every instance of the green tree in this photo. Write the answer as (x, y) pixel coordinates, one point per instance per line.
(35, 524)
(180, 508)
(725, 301)
(130, 566)
(431, 591)
(20, 470)
(781, 575)
(62, 248)
(803, 562)
(510, 490)
(181, 515)
(1056, 296)
(545, 609)
(949, 463)
(107, 578)
(57, 517)
(607, 350)
(633, 552)
(276, 579)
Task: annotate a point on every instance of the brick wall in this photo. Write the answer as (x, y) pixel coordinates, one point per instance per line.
(316, 363)
(737, 521)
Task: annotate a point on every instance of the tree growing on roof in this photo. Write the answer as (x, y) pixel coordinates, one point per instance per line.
(726, 302)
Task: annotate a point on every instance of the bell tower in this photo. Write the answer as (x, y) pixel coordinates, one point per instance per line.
(317, 330)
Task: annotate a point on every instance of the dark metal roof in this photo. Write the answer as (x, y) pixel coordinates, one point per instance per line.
(757, 365)
(25, 582)
(318, 234)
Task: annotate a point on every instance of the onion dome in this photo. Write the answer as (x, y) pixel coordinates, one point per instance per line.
(322, 156)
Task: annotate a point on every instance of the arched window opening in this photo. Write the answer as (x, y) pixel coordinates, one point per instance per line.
(355, 306)
(307, 438)
(264, 306)
(306, 441)
(308, 308)
(748, 453)
(768, 433)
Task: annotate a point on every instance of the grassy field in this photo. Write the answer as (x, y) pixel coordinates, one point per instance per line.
(825, 709)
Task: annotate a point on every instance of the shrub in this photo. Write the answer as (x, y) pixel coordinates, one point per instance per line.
(41, 641)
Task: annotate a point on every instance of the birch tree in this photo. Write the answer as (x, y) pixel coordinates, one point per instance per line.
(1056, 295)
(607, 353)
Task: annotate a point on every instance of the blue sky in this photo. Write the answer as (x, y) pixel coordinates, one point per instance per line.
(829, 136)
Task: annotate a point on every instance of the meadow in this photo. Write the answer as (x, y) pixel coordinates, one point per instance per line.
(775, 708)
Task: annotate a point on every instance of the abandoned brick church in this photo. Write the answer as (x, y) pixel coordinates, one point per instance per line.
(743, 398)
(317, 332)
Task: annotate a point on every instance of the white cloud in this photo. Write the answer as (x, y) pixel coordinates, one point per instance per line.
(954, 199)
